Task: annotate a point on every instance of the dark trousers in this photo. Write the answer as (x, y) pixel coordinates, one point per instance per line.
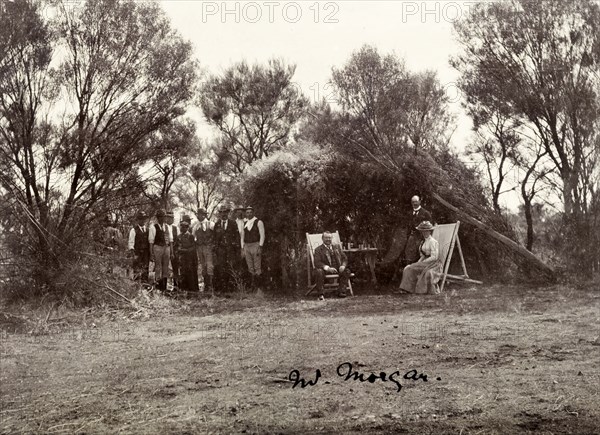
(188, 277)
(227, 264)
(141, 262)
(176, 271)
(320, 279)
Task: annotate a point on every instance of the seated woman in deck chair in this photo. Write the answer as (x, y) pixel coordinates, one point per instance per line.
(422, 277)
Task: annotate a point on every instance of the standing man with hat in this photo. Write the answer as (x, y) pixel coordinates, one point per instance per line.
(227, 244)
(161, 240)
(417, 215)
(205, 241)
(174, 259)
(140, 248)
(253, 240)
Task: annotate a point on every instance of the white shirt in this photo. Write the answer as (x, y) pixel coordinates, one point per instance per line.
(224, 223)
(261, 230)
(204, 224)
(131, 241)
(416, 210)
(430, 247)
(166, 229)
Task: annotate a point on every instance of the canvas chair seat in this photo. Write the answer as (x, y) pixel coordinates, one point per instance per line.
(447, 237)
(331, 280)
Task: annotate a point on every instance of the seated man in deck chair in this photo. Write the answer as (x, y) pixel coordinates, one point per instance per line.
(329, 260)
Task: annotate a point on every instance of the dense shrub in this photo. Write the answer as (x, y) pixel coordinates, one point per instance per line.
(307, 188)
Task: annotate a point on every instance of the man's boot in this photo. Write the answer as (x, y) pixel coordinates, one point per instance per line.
(258, 281)
(210, 285)
(164, 284)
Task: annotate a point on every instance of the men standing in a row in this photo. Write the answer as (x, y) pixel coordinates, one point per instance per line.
(417, 215)
(160, 239)
(140, 248)
(253, 239)
(174, 259)
(227, 246)
(205, 241)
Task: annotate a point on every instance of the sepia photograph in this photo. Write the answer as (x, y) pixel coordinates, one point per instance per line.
(300, 217)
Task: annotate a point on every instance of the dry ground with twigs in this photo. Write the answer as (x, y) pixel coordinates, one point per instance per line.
(509, 359)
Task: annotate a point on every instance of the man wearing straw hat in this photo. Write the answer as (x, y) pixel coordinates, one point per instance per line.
(174, 259)
(160, 239)
(139, 247)
(422, 277)
(205, 239)
(253, 240)
(227, 246)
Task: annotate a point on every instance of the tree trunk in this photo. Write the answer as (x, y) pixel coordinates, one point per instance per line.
(529, 219)
(514, 246)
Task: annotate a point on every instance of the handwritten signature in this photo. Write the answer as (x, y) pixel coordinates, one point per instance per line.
(345, 371)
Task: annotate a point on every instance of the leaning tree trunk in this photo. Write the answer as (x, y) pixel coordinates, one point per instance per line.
(512, 245)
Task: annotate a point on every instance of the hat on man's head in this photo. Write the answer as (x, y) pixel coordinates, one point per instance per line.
(224, 207)
(170, 214)
(160, 213)
(249, 207)
(425, 226)
(186, 218)
(141, 215)
(239, 207)
(201, 211)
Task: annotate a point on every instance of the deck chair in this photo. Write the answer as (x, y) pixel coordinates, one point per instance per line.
(447, 237)
(331, 280)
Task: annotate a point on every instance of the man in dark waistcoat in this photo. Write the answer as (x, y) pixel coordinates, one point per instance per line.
(253, 240)
(174, 258)
(227, 246)
(160, 238)
(417, 215)
(139, 248)
(205, 241)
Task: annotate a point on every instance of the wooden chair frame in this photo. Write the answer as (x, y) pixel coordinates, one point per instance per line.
(312, 242)
(446, 251)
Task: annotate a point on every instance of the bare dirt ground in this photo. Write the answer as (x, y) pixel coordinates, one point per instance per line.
(498, 360)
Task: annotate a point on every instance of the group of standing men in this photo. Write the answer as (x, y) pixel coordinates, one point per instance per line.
(213, 250)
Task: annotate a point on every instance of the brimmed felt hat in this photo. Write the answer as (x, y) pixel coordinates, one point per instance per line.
(425, 226)
(201, 211)
(186, 218)
(224, 207)
(141, 215)
(239, 207)
(160, 213)
(170, 214)
(249, 207)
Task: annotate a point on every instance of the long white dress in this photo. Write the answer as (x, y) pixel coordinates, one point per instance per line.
(423, 276)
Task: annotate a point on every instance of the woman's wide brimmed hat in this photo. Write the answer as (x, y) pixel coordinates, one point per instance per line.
(425, 226)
